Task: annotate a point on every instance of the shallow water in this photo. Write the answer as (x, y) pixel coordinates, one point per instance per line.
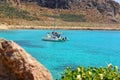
(84, 47)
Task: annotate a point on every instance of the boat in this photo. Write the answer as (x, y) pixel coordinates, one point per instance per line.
(54, 36)
(53, 40)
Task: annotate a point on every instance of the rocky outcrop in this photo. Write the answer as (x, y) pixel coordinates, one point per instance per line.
(103, 10)
(108, 8)
(17, 64)
(13, 2)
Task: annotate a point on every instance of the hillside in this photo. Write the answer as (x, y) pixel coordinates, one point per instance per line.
(66, 12)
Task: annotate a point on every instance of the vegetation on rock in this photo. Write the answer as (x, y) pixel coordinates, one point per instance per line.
(69, 12)
(7, 11)
(68, 17)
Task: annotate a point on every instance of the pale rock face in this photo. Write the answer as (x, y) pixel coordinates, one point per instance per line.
(17, 64)
(13, 2)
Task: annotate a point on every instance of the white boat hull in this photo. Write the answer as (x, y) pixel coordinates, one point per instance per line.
(54, 40)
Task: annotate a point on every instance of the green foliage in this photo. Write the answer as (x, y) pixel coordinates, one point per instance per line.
(11, 12)
(91, 73)
(73, 18)
(68, 17)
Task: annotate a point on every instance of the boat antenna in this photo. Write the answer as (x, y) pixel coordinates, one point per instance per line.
(55, 16)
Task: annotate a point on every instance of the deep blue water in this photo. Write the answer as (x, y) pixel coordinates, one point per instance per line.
(85, 48)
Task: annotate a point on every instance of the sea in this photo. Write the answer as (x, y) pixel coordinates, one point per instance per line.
(96, 48)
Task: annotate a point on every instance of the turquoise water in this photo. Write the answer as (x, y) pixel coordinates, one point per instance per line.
(85, 48)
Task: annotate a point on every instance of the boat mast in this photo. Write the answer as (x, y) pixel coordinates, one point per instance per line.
(55, 16)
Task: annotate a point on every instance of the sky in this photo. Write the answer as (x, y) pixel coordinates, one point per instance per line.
(117, 1)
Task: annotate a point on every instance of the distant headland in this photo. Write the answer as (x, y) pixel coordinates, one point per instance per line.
(67, 14)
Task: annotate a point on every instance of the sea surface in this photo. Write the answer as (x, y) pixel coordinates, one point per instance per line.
(83, 48)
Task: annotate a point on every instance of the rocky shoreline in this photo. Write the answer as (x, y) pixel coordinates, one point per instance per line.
(17, 64)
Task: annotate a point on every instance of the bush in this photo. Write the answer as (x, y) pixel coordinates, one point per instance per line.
(91, 73)
(68, 17)
(11, 12)
(73, 17)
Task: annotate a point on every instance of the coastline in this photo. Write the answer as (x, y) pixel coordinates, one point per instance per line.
(15, 27)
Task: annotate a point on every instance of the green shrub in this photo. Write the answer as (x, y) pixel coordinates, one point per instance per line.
(73, 17)
(68, 17)
(91, 73)
(12, 12)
